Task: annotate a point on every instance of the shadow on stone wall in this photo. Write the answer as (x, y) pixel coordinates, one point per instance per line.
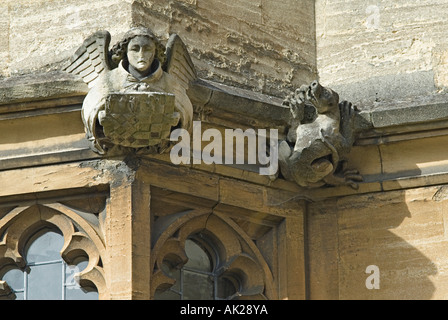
(382, 229)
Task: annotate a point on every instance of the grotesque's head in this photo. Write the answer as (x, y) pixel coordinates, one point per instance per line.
(324, 99)
(139, 48)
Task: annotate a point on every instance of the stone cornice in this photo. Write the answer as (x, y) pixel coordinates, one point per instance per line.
(379, 129)
(232, 107)
(404, 120)
(39, 87)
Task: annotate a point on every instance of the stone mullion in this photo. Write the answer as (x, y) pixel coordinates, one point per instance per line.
(292, 271)
(128, 238)
(141, 240)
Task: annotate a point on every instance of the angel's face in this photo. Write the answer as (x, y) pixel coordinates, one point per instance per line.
(141, 52)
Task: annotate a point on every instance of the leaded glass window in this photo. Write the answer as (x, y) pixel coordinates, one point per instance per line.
(46, 275)
(200, 278)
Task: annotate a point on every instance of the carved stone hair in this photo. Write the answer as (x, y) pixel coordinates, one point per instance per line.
(119, 50)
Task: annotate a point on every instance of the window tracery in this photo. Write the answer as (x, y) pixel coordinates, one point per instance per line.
(200, 277)
(46, 275)
(39, 240)
(203, 254)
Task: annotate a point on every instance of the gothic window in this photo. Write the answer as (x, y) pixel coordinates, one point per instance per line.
(205, 256)
(46, 275)
(200, 278)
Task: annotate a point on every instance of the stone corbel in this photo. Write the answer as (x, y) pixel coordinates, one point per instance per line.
(321, 135)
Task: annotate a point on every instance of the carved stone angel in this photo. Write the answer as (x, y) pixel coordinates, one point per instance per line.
(320, 138)
(137, 89)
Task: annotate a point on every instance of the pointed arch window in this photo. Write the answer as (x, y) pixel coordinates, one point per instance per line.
(200, 278)
(46, 275)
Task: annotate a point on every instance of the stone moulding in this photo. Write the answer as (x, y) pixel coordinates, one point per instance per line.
(375, 127)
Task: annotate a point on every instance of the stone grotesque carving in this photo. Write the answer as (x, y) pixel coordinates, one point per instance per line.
(137, 89)
(320, 138)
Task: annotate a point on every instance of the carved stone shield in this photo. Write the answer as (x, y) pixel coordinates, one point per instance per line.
(139, 119)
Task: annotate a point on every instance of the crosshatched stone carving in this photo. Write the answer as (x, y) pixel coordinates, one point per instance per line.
(137, 89)
(139, 119)
(321, 136)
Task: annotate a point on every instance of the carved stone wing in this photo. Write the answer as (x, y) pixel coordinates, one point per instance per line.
(92, 58)
(178, 62)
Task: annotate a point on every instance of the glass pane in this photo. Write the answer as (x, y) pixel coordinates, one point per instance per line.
(45, 282)
(45, 248)
(197, 286)
(14, 278)
(81, 265)
(19, 296)
(172, 273)
(198, 259)
(225, 288)
(167, 295)
(78, 293)
(70, 272)
(73, 290)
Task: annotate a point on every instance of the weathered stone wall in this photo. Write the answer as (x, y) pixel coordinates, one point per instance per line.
(380, 51)
(37, 35)
(404, 233)
(262, 45)
(372, 53)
